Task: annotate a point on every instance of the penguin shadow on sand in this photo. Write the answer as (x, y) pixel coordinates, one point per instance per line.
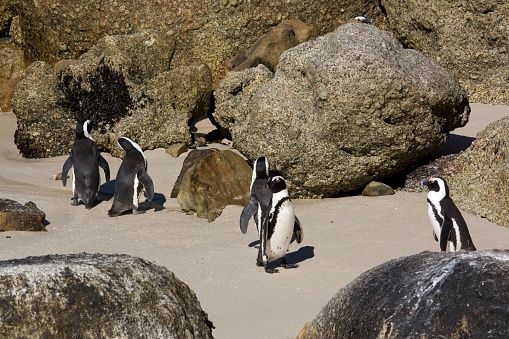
(107, 191)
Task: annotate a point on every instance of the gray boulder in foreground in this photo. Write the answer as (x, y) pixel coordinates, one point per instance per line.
(96, 296)
(427, 295)
(341, 110)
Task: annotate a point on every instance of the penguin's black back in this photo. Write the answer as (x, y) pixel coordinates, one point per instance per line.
(133, 165)
(451, 211)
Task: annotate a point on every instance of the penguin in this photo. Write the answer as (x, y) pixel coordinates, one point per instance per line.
(131, 176)
(279, 226)
(85, 161)
(260, 195)
(364, 19)
(446, 219)
(258, 206)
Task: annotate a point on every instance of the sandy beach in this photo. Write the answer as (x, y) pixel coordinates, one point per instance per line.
(343, 237)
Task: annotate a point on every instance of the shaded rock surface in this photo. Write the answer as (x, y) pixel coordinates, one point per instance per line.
(96, 295)
(218, 179)
(342, 110)
(269, 47)
(13, 67)
(479, 177)
(439, 28)
(17, 217)
(461, 295)
(209, 31)
(124, 85)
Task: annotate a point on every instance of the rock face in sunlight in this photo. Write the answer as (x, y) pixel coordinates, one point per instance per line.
(96, 296)
(17, 217)
(341, 110)
(479, 177)
(425, 295)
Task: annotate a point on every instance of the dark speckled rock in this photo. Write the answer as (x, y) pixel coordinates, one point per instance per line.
(124, 85)
(17, 217)
(427, 295)
(96, 296)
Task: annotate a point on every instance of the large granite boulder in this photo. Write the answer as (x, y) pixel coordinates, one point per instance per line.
(427, 295)
(479, 177)
(124, 85)
(210, 31)
(342, 110)
(96, 296)
(468, 37)
(212, 181)
(17, 217)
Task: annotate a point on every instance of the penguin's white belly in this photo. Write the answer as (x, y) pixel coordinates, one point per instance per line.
(434, 222)
(278, 244)
(135, 191)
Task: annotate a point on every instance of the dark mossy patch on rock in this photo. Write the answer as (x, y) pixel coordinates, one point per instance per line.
(103, 97)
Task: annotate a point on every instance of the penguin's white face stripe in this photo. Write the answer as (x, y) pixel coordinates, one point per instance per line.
(135, 191)
(435, 197)
(135, 145)
(85, 129)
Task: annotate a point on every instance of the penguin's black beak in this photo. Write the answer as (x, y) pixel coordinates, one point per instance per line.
(426, 182)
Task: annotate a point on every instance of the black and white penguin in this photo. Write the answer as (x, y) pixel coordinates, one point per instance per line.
(446, 219)
(132, 176)
(85, 161)
(260, 195)
(259, 204)
(364, 19)
(278, 228)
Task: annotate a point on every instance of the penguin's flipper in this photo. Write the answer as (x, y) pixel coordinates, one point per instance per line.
(65, 169)
(249, 210)
(297, 231)
(106, 168)
(146, 181)
(445, 233)
(435, 236)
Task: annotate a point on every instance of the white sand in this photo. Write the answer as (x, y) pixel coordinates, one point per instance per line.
(343, 238)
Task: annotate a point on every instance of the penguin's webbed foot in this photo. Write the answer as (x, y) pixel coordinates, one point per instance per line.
(271, 270)
(75, 202)
(286, 265)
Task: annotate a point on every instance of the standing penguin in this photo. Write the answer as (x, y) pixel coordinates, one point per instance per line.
(259, 204)
(85, 161)
(260, 195)
(446, 219)
(131, 176)
(278, 227)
